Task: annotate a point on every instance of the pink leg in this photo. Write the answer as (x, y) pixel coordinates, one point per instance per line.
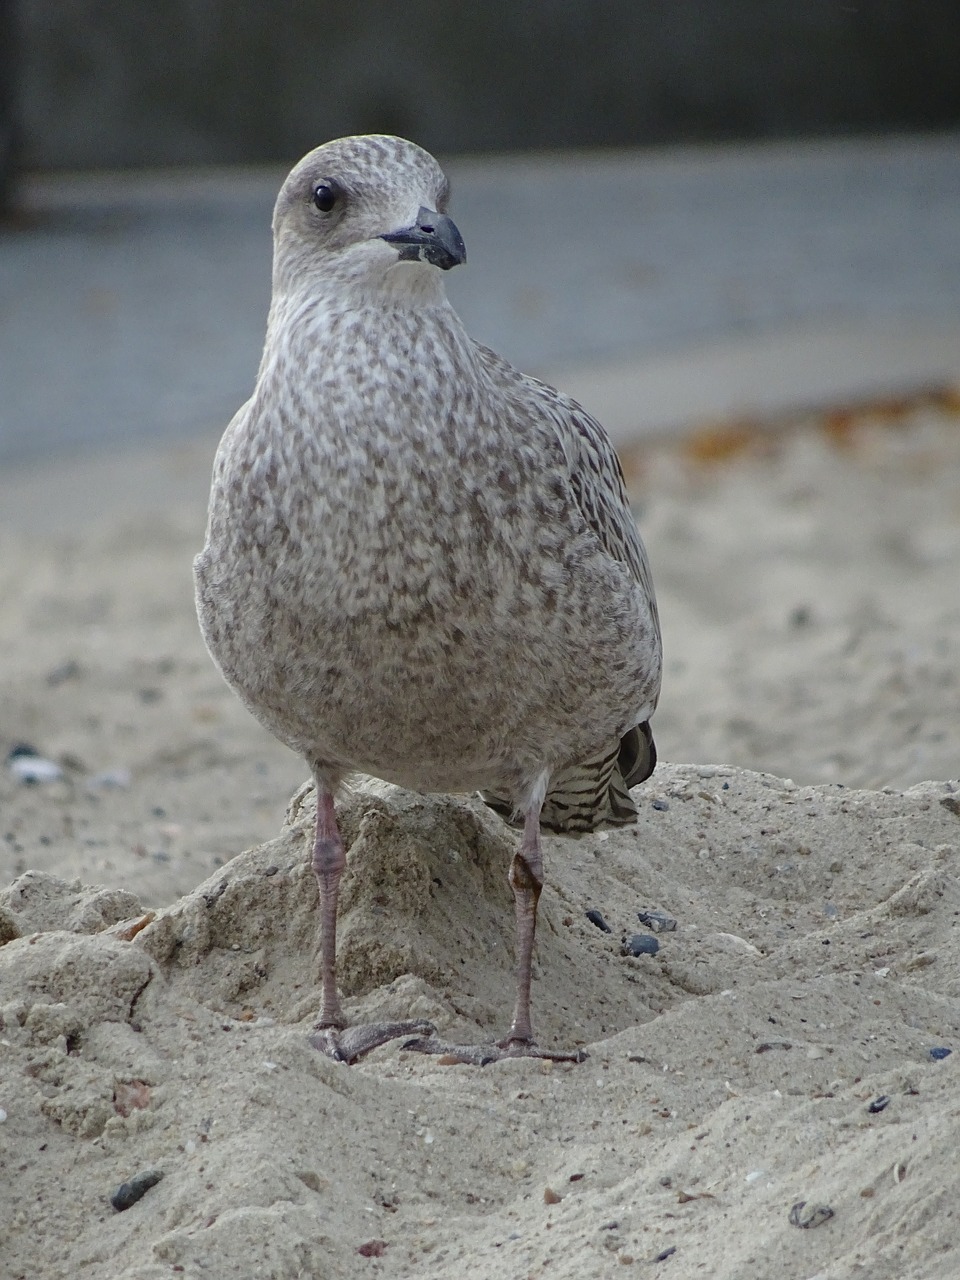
(526, 881)
(331, 1034)
(329, 860)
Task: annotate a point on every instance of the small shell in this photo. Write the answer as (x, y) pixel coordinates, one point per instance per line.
(658, 921)
(807, 1215)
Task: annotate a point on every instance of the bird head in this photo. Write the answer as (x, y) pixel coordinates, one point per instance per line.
(367, 213)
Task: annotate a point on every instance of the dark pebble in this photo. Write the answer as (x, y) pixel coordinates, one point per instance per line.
(640, 944)
(661, 805)
(658, 921)
(22, 751)
(939, 1053)
(270, 871)
(65, 671)
(211, 897)
(128, 1193)
(596, 918)
(664, 1254)
(879, 1104)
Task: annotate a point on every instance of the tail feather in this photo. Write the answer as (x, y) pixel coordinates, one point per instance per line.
(592, 793)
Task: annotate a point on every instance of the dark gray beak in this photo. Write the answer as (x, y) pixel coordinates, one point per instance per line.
(433, 238)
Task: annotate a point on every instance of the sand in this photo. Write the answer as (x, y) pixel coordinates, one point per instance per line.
(158, 977)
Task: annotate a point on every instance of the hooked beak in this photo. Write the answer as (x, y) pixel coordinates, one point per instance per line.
(433, 238)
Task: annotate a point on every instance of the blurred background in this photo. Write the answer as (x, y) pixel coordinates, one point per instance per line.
(732, 230)
(689, 174)
(239, 82)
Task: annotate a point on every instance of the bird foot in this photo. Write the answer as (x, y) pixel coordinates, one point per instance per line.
(481, 1055)
(350, 1044)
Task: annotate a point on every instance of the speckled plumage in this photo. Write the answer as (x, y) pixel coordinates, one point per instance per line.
(420, 563)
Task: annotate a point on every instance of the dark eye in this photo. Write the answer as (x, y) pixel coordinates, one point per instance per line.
(325, 196)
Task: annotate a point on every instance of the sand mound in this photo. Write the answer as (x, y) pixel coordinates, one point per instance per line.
(813, 969)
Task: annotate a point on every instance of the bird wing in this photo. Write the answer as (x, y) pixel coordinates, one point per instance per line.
(586, 794)
(595, 475)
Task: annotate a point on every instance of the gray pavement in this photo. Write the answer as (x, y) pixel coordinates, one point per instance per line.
(678, 285)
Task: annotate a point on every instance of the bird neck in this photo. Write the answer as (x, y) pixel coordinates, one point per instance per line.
(316, 325)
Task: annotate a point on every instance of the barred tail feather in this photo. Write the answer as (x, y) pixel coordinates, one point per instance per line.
(592, 793)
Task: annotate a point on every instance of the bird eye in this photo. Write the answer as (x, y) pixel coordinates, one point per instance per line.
(325, 195)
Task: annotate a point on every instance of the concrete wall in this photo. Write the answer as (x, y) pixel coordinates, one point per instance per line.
(143, 82)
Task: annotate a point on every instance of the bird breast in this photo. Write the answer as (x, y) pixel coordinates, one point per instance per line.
(393, 553)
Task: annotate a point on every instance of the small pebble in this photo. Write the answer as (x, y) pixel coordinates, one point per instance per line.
(640, 944)
(801, 616)
(27, 765)
(809, 1215)
(658, 921)
(372, 1249)
(68, 670)
(661, 805)
(130, 1096)
(879, 1104)
(211, 897)
(596, 918)
(128, 1193)
(664, 1254)
(110, 778)
(127, 930)
(939, 1053)
(550, 1196)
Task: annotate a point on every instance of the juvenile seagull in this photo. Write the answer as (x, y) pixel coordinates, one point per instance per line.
(420, 563)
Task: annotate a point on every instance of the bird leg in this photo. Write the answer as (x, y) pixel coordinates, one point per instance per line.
(526, 881)
(328, 861)
(331, 1034)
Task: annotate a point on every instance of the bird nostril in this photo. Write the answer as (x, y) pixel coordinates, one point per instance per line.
(428, 229)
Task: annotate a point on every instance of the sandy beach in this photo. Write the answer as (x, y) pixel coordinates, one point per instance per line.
(785, 1044)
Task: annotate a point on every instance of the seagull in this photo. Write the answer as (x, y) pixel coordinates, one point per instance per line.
(421, 564)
